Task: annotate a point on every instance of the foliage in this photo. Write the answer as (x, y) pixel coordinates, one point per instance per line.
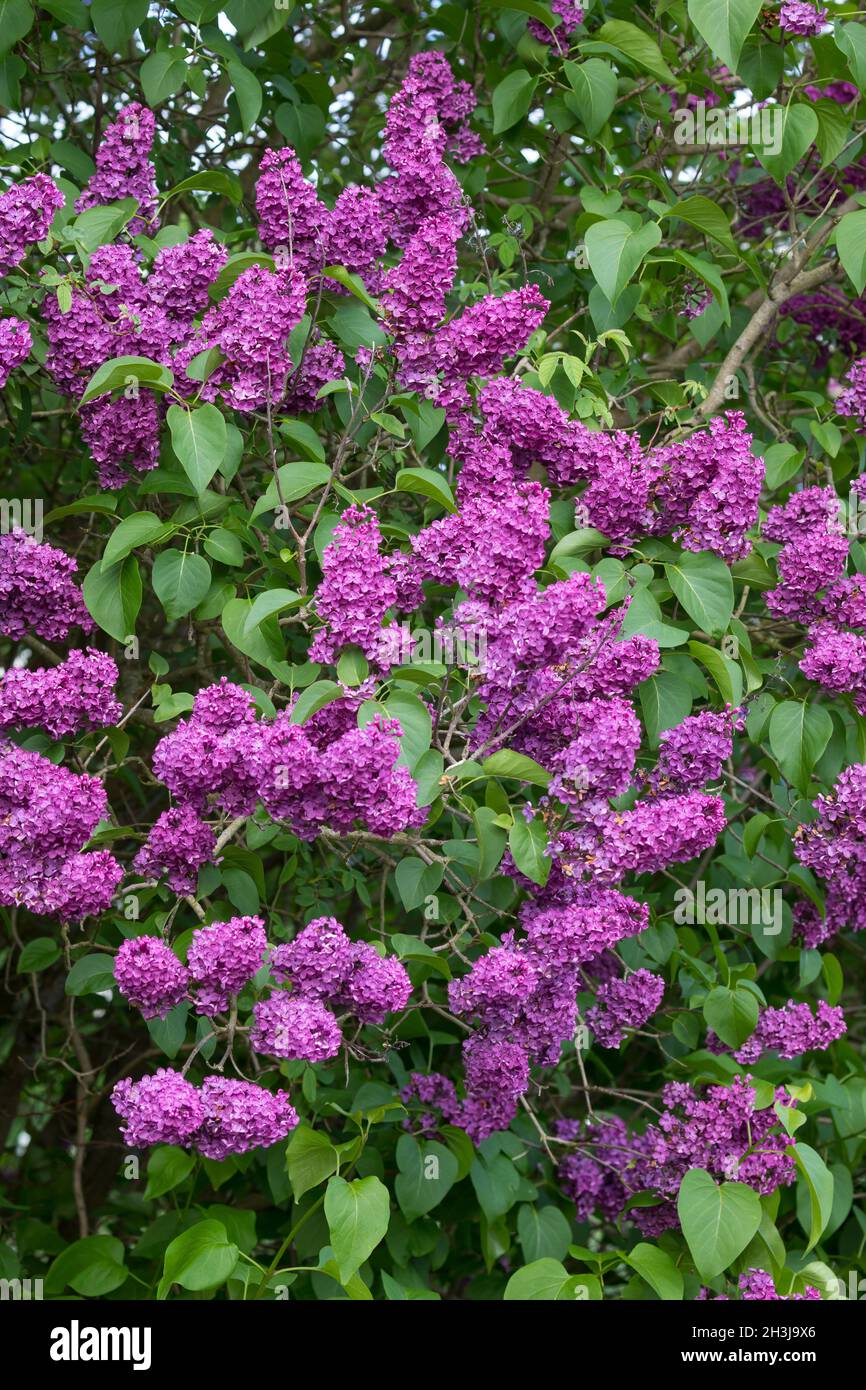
(688, 273)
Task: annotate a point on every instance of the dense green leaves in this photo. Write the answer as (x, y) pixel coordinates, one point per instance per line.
(683, 187)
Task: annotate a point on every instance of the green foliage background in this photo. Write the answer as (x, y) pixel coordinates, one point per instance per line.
(583, 189)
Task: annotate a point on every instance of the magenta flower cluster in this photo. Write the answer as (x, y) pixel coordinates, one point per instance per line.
(37, 591)
(124, 168)
(834, 847)
(223, 1116)
(26, 212)
(76, 695)
(792, 1030)
(322, 965)
(719, 1130)
(800, 18)
(15, 346)
(47, 815)
(222, 753)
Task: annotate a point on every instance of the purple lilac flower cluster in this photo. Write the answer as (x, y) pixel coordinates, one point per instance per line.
(799, 18)
(219, 1118)
(815, 590)
(623, 1004)
(356, 589)
(124, 168)
(793, 1030)
(15, 346)
(26, 212)
(78, 694)
(37, 593)
(756, 1285)
(322, 965)
(834, 847)
(47, 814)
(719, 1130)
(223, 754)
(568, 18)
(703, 490)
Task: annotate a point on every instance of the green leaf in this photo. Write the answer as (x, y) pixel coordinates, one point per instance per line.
(235, 267)
(427, 1174)
(353, 283)
(16, 19)
(527, 841)
(543, 1281)
(201, 1258)
(296, 480)
(428, 483)
(851, 245)
(761, 67)
(703, 584)
(180, 581)
(38, 955)
(271, 601)
(799, 129)
(314, 698)
(717, 1222)
(507, 763)
(512, 99)
(417, 881)
(139, 529)
(666, 700)
(122, 371)
(199, 440)
(167, 1167)
(645, 616)
(753, 831)
(638, 45)
(543, 1232)
(115, 21)
(415, 721)
(209, 181)
(834, 130)
(413, 948)
(248, 91)
(727, 675)
(310, 1159)
(92, 1267)
(707, 216)
(819, 1181)
(225, 547)
(781, 462)
(732, 1014)
(163, 74)
(357, 1214)
(799, 733)
(658, 1269)
(169, 1033)
(615, 251)
(851, 40)
(724, 26)
(594, 87)
(113, 597)
(91, 975)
